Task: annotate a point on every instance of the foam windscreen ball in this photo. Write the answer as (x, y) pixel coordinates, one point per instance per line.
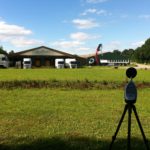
(131, 72)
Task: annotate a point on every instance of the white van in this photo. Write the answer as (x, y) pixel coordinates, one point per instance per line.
(27, 63)
(59, 63)
(4, 61)
(71, 63)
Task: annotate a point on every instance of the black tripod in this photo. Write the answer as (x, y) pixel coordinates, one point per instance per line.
(129, 107)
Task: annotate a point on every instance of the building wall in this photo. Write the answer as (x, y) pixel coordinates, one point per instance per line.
(42, 61)
(42, 56)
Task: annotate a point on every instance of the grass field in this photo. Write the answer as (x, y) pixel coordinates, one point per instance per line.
(91, 74)
(68, 119)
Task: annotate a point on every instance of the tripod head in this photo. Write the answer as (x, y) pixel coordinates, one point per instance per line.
(130, 93)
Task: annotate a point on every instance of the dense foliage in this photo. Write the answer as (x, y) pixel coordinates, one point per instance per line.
(142, 54)
(2, 51)
(126, 54)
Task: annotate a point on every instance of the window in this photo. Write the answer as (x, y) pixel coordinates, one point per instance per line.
(3, 58)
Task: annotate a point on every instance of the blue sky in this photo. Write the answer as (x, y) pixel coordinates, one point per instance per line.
(74, 26)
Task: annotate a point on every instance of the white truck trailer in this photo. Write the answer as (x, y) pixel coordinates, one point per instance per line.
(59, 63)
(4, 61)
(71, 63)
(27, 63)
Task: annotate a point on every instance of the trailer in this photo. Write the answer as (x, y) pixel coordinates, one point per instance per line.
(4, 63)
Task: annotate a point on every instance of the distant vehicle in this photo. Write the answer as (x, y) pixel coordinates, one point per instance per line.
(71, 63)
(91, 61)
(59, 63)
(27, 63)
(4, 61)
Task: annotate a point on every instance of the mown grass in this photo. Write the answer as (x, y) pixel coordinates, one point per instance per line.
(68, 109)
(61, 74)
(56, 119)
(91, 74)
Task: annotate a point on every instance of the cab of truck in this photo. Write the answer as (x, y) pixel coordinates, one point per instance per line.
(70, 63)
(4, 62)
(59, 63)
(27, 63)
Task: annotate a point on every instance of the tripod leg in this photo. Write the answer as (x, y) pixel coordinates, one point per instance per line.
(129, 127)
(118, 127)
(140, 126)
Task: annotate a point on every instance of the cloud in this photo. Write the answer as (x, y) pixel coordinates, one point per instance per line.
(76, 44)
(16, 35)
(73, 47)
(94, 11)
(96, 1)
(67, 44)
(23, 42)
(113, 45)
(12, 30)
(85, 23)
(81, 36)
(146, 16)
(90, 10)
(4, 38)
(83, 49)
(137, 44)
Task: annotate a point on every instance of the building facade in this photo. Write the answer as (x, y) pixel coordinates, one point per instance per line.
(42, 57)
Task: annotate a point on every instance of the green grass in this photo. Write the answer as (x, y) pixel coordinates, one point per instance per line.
(79, 109)
(91, 74)
(46, 119)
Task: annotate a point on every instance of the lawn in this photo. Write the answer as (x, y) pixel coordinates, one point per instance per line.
(63, 119)
(91, 74)
(69, 109)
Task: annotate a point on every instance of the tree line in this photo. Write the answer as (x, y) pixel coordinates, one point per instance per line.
(140, 54)
(2, 51)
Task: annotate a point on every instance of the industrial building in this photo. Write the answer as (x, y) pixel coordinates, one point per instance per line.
(42, 57)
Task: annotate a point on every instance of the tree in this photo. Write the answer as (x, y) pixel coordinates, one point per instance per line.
(117, 52)
(142, 54)
(128, 53)
(11, 52)
(2, 51)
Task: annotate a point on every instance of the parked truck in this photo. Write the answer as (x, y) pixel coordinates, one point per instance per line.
(59, 63)
(27, 63)
(70, 63)
(4, 63)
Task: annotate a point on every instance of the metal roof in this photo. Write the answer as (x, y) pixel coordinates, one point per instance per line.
(42, 51)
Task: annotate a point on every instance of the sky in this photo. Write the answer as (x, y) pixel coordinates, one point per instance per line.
(74, 26)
